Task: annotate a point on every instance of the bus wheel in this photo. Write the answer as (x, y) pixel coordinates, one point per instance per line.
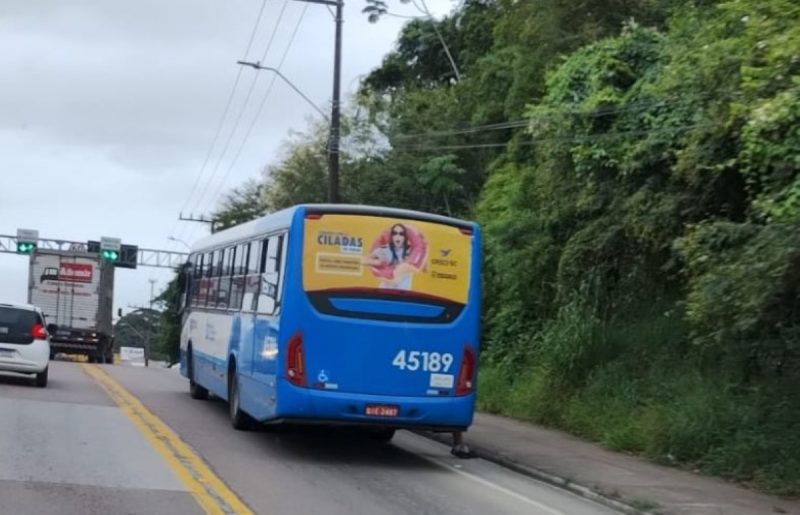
(382, 435)
(240, 420)
(195, 390)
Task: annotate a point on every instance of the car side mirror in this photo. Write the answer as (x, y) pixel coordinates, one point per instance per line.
(52, 328)
(119, 312)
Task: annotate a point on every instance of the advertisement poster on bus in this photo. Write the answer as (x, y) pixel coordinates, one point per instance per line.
(354, 251)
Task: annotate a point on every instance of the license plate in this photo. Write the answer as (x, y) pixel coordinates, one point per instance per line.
(5, 353)
(3, 330)
(382, 411)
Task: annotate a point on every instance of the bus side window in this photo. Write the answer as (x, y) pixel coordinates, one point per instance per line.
(282, 267)
(226, 271)
(255, 257)
(213, 281)
(238, 277)
(202, 278)
(195, 278)
(240, 263)
(253, 277)
(270, 279)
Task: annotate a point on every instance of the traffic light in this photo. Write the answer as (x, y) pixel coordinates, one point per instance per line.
(109, 249)
(25, 247)
(110, 255)
(27, 240)
(127, 255)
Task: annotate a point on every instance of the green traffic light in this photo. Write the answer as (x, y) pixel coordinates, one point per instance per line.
(110, 255)
(25, 248)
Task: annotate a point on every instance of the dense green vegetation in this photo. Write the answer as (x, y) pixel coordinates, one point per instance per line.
(140, 328)
(634, 165)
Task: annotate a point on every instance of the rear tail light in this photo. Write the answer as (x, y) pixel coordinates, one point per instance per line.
(466, 376)
(295, 364)
(38, 332)
(313, 216)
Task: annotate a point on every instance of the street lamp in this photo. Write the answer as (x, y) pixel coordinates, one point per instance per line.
(173, 238)
(335, 120)
(257, 65)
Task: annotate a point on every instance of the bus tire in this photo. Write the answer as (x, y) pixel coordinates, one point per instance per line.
(382, 435)
(195, 390)
(240, 420)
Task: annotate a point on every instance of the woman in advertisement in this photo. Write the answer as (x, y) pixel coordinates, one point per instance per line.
(397, 255)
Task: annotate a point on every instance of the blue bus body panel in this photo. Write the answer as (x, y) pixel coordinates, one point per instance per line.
(350, 362)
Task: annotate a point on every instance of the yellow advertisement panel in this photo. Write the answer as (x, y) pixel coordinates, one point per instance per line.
(356, 251)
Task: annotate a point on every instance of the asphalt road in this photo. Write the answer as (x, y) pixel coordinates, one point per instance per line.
(70, 448)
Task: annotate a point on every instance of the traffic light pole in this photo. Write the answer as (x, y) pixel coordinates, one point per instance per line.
(156, 258)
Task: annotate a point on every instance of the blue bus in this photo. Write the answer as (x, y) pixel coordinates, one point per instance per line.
(336, 314)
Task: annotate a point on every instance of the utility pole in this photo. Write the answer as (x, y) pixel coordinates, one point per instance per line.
(201, 219)
(335, 129)
(333, 150)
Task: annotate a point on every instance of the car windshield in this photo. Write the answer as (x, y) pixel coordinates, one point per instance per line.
(16, 325)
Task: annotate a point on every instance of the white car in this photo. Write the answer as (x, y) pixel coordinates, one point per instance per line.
(24, 341)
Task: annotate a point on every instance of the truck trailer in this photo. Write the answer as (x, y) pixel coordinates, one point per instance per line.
(75, 290)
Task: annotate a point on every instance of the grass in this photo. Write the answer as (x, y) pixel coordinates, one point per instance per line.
(653, 401)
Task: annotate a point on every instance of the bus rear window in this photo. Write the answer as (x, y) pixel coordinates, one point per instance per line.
(386, 256)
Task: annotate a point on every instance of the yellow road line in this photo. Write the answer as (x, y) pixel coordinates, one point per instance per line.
(207, 488)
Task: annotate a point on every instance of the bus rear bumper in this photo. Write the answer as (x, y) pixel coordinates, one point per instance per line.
(325, 407)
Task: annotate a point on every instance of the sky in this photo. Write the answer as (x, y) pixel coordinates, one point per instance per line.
(109, 110)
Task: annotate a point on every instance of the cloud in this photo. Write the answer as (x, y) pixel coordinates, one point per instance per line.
(109, 108)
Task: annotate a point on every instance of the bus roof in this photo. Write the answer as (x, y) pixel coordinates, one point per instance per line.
(282, 219)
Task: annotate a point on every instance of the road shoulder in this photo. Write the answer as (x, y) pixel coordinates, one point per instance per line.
(625, 483)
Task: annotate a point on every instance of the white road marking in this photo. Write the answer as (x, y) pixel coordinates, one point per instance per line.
(493, 486)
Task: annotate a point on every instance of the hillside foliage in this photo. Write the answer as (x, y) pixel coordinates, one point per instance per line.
(634, 165)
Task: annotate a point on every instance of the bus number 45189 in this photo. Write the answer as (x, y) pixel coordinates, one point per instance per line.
(425, 361)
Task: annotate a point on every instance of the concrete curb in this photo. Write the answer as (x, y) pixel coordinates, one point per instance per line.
(586, 492)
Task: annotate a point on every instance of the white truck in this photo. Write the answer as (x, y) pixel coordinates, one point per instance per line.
(75, 290)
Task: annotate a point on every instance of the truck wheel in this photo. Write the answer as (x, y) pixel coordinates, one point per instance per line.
(41, 379)
(195, 390)
(240, 420)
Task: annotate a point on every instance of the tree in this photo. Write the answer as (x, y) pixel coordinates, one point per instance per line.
(441, 175)
(377, 8)
(241, 204)
(170, 333)
(138, 329)
(301, 174)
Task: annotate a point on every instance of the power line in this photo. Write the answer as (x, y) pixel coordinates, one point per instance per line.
(525, 122)
(260, 107)
(224, 115)
(574, 139)
(242, 110)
